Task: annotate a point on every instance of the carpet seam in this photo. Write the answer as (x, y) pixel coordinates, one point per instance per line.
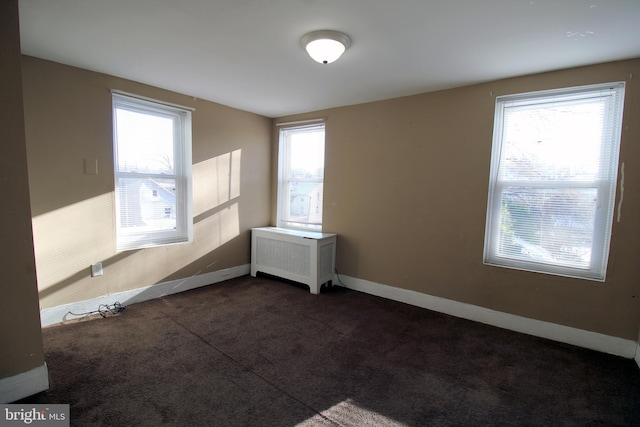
(247, 369)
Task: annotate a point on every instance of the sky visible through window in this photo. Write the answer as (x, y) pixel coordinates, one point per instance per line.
(560, 143)
(145, 142)
(307, 152)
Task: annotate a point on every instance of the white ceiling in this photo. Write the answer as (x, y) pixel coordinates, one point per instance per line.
(247, 54)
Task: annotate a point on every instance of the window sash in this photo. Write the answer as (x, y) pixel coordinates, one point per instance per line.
(153, 203)
(571, 216)
(287, 182)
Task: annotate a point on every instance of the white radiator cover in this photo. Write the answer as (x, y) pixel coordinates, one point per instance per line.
(302, 256)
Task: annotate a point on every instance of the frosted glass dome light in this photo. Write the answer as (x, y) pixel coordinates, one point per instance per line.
(325, 46)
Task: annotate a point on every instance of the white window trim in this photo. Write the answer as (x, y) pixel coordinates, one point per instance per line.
(606, 189)
(283, 180)
(183, 175)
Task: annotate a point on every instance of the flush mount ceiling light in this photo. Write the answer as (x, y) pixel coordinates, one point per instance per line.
(325, 46)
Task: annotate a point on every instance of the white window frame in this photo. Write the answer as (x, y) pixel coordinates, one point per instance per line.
(604, 186)
(285, 179)
(129, 239)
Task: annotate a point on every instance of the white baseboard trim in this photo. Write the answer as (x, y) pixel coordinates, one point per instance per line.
(24, 384)
(578, 337)
(638, 355)
(58, 314)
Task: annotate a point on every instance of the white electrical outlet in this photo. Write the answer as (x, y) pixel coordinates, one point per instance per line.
(96, 269)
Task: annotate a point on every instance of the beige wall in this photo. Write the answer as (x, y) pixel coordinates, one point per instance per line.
(21, 346)
(406, 184)
(68, 120)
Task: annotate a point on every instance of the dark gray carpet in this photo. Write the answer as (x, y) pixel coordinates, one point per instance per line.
(261, 352)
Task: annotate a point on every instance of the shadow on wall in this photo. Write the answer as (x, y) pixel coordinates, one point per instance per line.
(69, 239)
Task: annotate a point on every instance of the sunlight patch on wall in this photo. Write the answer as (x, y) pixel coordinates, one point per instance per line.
(71, 238)
(216, 181)
(150, 266)
(211, 233)
(68, 240)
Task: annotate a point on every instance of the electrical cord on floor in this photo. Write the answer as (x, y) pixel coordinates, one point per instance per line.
(340, 280)
(103, 309)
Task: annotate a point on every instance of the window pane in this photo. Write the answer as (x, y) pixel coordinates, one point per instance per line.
(305, 202)
(556, 141)
(548, 226)
(307, 155)
(301, 174)
(146, 204)
(145, 142)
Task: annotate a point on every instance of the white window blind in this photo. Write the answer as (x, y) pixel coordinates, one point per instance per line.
(553, 180)
(301, 177)
(152, 158)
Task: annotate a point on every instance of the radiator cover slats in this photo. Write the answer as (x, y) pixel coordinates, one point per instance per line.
(285, 256)
(301, 256)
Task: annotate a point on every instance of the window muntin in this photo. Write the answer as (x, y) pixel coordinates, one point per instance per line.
(301, 177)
(553, 179)
(152, 159)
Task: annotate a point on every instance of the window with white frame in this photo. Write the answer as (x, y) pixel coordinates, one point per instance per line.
(152, 160)
(553, 180)
(301, 177)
